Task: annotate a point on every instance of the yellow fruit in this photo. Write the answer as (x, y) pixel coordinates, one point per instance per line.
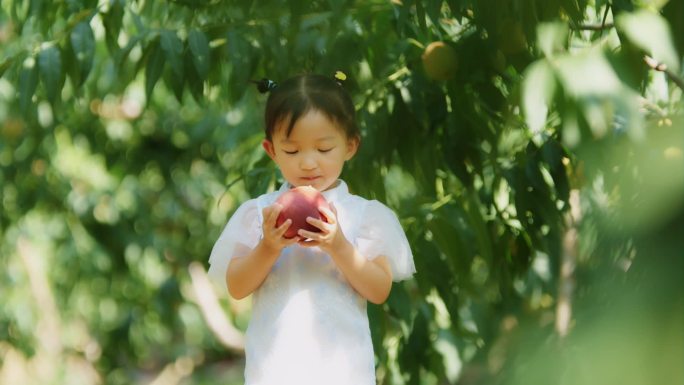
(511, 37)
(12, 128)
(440, 61)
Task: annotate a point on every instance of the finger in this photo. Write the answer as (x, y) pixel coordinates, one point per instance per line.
(283, 227)
(324, 226)
(310, 235)
(329, 215)
(274, 211)
(266, 213)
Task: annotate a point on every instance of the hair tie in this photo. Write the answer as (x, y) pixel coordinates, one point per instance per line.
(340, 77)
(265, 85)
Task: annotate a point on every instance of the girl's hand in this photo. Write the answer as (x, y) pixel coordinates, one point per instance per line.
(274, 236)
(330, 238)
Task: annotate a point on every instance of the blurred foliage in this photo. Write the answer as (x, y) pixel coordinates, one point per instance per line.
(540, 181)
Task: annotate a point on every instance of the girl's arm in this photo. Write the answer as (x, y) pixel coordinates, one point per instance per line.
(245, 274)
(370, 278)
(248, 269)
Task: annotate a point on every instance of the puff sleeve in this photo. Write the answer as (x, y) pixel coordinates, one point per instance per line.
(380, 233)
(243, 230)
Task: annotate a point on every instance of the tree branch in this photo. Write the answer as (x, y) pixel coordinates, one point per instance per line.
(591, 27)
(206, 300)
(662, 67)
(605, 16)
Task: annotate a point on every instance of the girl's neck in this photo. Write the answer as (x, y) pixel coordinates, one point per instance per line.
(332, 186)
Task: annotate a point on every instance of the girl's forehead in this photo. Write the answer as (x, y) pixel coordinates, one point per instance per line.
(312, 125)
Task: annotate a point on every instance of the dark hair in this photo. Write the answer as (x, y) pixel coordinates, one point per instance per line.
(298, 95)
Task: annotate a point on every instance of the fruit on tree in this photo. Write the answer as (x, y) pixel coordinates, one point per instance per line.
(440, 61)
(298, 204)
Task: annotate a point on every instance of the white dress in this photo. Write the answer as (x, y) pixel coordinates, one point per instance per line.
(308, 325)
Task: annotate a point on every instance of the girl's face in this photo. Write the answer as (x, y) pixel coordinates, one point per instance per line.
(314, 153)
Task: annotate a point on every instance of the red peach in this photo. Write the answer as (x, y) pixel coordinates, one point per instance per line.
(298, 204)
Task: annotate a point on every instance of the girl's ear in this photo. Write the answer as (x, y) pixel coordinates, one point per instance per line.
(352, 147)
(268, 146)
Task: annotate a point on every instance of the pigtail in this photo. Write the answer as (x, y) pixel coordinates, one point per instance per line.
(340, 78)
(265, 85)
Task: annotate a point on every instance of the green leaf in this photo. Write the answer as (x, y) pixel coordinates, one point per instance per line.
(199, 46)
(193, 79)
(552, 38)
(539, 85)
(5, 65)
(154, 67)
(28, 82)
(50, 64)
(83, 44)
(420, 14)
(553, 154)
(175, 83)
(449, 234)
(36, 8)
(571, 7)
(400, 303)
(415, 352)
(587, 74)
(478, 225)
(376, 318)
(173, 51)
(121, 56)
(650, 32)
(112, 21)
(433, 8)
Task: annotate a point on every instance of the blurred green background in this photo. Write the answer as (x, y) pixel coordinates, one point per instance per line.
(533, 150)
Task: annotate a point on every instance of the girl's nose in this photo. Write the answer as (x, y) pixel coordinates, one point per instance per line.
(308, 162)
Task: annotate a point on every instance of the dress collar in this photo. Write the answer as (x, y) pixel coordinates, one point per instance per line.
(331, 195)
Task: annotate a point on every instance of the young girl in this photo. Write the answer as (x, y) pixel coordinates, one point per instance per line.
(309, 322)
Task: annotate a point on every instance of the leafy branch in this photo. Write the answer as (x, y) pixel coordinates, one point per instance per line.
(661, 67)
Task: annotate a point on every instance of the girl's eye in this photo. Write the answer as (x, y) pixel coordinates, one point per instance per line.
(290, 152)
(326, 150)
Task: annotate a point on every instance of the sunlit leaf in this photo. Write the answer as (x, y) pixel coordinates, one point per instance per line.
(587, 73)
(552, 38)
(538, 89)
(650, 32)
